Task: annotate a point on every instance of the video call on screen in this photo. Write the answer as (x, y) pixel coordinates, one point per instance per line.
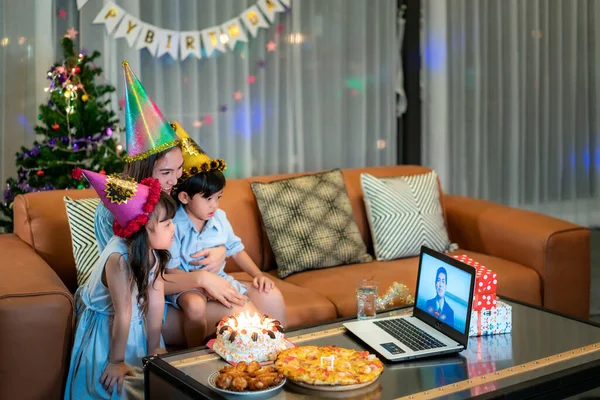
(444, 292)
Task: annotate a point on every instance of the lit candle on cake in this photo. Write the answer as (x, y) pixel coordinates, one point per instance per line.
(245, 337)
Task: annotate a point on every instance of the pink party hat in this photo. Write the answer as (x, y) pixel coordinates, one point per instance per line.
(147, 131)
(130, 202)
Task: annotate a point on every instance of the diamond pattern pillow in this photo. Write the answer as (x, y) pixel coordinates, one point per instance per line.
(309, 223)
(404, 213)
(81, 221)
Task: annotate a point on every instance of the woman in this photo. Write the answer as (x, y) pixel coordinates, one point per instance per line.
(153, 150)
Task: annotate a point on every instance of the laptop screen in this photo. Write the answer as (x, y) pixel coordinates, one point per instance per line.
(444, 292)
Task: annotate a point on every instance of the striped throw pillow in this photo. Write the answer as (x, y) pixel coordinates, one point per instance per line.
(81, 221)
(404, 214)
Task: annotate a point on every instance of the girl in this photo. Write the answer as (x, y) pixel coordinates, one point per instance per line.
(120, 308)
(200, 223)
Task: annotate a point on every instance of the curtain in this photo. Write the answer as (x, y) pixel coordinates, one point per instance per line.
(510, 100)
(324, 99)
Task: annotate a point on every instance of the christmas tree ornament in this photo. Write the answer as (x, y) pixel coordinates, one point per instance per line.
(85, 97)
(147, 131)
(40, 172)
(55, 127)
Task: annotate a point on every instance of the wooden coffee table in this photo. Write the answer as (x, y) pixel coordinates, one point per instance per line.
(547, 355)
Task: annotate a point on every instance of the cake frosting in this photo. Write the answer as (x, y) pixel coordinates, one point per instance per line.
(245, 337)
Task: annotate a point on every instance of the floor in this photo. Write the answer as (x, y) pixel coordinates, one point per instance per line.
(595, 282)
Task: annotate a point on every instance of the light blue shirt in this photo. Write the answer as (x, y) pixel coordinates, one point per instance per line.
(103, 226)
(217, 231)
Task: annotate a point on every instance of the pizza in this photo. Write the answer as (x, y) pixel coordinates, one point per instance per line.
(329, 365)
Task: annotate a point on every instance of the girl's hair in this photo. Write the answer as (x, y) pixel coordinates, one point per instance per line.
(206, 183)
(139, 255)
(142, 169)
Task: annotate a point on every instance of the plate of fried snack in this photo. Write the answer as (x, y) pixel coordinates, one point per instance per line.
(246, 379)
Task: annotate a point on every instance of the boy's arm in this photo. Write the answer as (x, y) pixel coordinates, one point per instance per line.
(156, 308)
(244, 261)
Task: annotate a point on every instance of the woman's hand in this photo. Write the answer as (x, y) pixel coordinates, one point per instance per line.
(219, 289)
(263, 283)
(214, 258)
(114, 374)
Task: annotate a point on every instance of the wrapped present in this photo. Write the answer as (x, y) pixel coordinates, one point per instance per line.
(484, 301)
(485, 280)
(490, 322)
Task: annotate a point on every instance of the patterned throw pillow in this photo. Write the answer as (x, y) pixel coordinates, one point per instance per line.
(81, 221)
(404, 213)
(309, 223)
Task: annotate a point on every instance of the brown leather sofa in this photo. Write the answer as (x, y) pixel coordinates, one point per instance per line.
(539, 260)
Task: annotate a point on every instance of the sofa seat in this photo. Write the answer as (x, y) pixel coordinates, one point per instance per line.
(338, 284)
(303, 306)
(515, 281)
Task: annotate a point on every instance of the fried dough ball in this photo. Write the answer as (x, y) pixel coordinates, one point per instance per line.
(223, 381)
(253, 367)
(239, 384)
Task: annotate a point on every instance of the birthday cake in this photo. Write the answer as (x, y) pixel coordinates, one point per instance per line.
(243, 337)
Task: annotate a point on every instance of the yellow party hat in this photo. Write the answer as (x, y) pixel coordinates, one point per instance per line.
(195, 160)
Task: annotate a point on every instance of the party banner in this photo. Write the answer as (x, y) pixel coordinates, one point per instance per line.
(180, 45)
(110, 15)
(129, 28)
(168, 42)
(254, 20)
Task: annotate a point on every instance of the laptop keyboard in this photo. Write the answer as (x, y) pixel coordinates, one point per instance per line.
(414, 338)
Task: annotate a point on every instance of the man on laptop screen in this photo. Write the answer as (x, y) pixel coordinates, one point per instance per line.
(445, 299)
(438, 306)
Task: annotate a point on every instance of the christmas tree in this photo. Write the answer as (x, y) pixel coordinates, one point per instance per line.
(75, 129)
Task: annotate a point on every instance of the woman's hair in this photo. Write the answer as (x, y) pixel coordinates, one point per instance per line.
(139, 255)
(142, 169)
(206, 183)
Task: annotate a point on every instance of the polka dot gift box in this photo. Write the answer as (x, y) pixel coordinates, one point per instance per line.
(484, 296)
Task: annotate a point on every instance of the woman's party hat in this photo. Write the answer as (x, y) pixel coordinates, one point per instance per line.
(130, 202)
(148, 132)
(194, 158)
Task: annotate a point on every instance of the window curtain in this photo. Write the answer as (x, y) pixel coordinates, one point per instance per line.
(510, 100)
(324, 99)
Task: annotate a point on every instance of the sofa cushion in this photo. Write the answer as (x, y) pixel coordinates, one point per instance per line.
(338, 284)
(309, 222)
(404, 213)
(303, 306)
(80, 214)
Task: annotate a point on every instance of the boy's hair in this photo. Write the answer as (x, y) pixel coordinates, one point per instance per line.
(139, 256)
(206, 183)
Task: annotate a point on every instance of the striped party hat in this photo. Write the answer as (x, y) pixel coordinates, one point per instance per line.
(147, 131)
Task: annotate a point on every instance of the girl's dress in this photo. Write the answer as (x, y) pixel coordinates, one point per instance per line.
(89, 357)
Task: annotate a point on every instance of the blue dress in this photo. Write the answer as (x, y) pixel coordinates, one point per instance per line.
(93, 334)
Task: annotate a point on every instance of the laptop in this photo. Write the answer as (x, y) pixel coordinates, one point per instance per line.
(441, 315)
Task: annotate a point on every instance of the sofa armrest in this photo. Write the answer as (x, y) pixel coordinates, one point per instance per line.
(557, 250)
(36, 320)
